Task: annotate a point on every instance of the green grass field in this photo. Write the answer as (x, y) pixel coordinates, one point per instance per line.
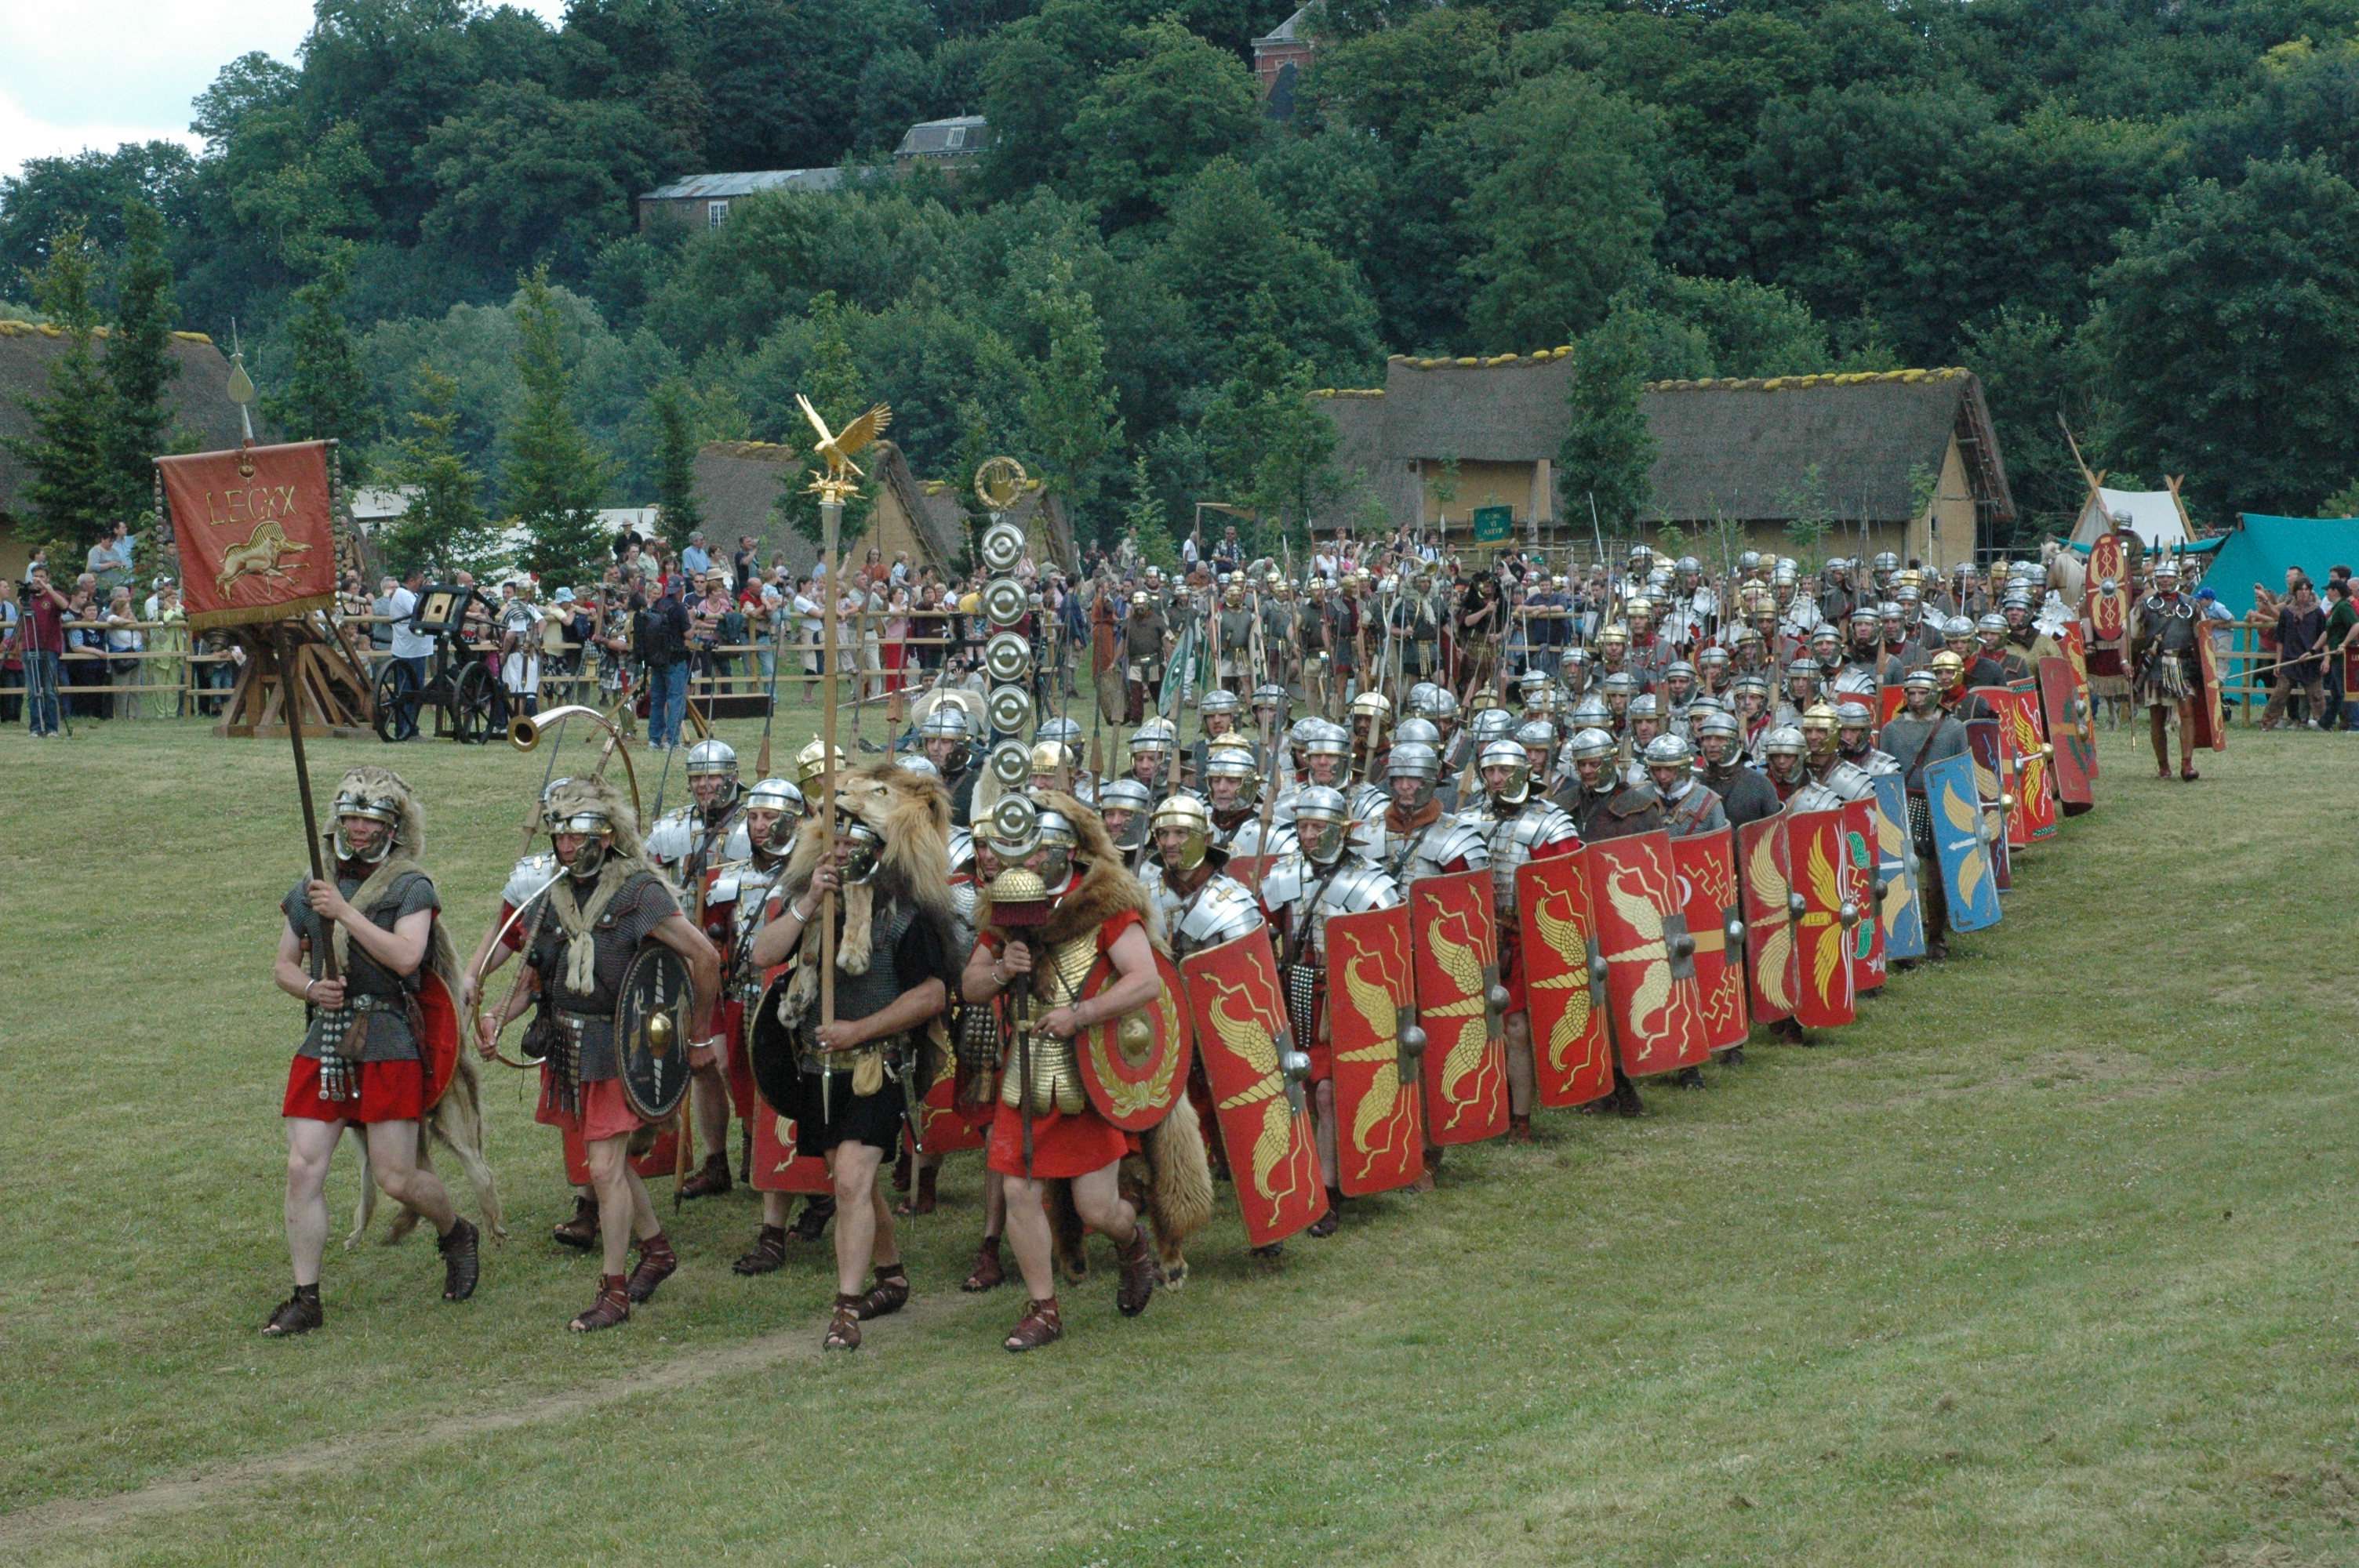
(2049, 1259)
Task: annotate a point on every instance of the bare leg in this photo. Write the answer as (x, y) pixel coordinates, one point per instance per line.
(712, 1092)
(1027, 1232)
(1520, 1074)
(621, 1200)
(2159, 727)
(1098, 1198)
(1322, 1114)
(861, 1226)
(392, 1160)
(309, 1145)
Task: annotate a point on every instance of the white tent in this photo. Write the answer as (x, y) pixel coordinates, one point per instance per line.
(2154, 516)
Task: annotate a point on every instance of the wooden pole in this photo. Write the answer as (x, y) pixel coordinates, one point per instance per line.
(294, 704)
(830, 511)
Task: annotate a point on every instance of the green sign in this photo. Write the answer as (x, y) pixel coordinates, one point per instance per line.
(1494, 525)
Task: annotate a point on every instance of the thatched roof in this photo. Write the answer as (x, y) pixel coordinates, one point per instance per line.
(939, 527)
(737, 485)
(198, 395)
(1849, 444)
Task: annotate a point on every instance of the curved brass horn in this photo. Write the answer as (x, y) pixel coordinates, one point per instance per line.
(524, 734)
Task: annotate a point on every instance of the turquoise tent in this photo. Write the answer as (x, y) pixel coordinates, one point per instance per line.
(2261, 550)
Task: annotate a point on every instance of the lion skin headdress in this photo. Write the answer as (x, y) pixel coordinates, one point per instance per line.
(374, 783)
(912, 815)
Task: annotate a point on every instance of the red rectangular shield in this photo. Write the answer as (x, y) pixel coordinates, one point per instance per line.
(2076, 654)
(1379, 1115)
(256, 530)
(1239, 1017)
(1771, 970)
(1572, 1062)
(1650, 972)
(1823, 996)
(1248, 870)
(2021, 750)
(1867, 946)
(1455, 933)
(777, 1167)
(1986, 739)
(1890, 700)
(1707, 871)
(2211, 727)
(2069, 765)
(2108, 595)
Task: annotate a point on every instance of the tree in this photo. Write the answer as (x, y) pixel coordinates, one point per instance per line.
(675, 463)
(1566, 213)
(322, 397)
(1070, 423)
(2228, 337)
(1608, 452)
(1269, 446)
(68, 484)
(1144, 519)
(555, 475)
(444, 527)
(139, 363)
(1154, 121)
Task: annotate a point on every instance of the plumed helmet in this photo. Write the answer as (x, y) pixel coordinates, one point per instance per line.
(946, 722)
(1669, 751)
(707, 758)
(1591, 745)
(1508, 755)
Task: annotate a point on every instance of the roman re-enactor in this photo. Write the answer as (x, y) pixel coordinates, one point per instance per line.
(1096, 930)
(587, 929)
(360, 1062)
(685, 844)
(885, 866)
(2167, 670)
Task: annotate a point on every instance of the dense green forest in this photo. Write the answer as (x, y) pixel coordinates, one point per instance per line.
(2139, 213)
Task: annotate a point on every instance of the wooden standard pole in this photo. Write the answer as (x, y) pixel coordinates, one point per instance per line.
(830, 511)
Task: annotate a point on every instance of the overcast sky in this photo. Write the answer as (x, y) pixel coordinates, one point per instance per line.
(88, 73)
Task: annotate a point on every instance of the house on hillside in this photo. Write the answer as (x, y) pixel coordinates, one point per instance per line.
(702, 201)
(952, 145)
(1903, 460)
(201, 414)
(1279, 57)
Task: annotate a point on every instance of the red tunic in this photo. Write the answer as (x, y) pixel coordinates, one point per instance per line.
(1064, 1143)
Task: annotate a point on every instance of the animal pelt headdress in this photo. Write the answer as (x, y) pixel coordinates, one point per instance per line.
(457, 1119)
(1106, 888)
(572, 796)
(912, 815)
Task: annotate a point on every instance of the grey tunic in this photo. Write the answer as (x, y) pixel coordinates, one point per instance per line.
(387, 1037)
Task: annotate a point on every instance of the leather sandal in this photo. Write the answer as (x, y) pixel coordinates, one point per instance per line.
(657, 1263)
(613, 1306)
(1136, 1287)
(1519, 1129)
(888, 1295)
(2189, 776)
(1042, 1323)
(1326, 1224)
(712, 1177)
(768, 1252)
(811, 1224)
(462, 1261)
(844, 1325)
(580, 1232)
(987, 1274)
(298, 1313)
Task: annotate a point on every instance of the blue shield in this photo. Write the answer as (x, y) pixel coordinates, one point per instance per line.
(1960, 845)
(1897, 870)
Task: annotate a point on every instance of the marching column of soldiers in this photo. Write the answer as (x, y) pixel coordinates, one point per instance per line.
(1301, 955)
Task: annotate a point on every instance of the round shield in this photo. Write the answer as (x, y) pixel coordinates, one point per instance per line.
(1007, 657)
(437, 1039)
(998, 482)
(1134, 1067)
(1010, 708)
(1003, 546)
(1004, 601)
(651, 1031)
(1011, 764)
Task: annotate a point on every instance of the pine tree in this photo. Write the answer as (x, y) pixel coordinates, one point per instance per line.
(554, 475)
(834, 389)
(1143, 518)
(444, 526)
(1070, 423)
(675, 463)
(1608, 454)
(322, 399)
(139, 363)
(68, 484)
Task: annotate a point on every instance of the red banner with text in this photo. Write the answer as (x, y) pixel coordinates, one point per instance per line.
(257, 532)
